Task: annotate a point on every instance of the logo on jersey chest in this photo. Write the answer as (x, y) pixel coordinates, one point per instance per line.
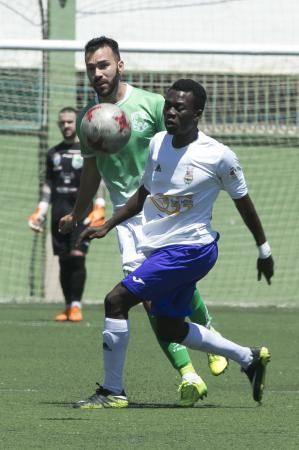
(172, 204)
(56, 159)
(77, 161)
(139, 121)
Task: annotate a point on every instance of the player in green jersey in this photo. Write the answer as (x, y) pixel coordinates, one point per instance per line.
(122, 173)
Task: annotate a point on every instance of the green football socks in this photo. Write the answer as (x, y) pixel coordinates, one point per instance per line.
(200, 313)
(176, 353)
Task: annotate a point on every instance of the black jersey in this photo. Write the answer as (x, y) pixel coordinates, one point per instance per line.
(63, 171)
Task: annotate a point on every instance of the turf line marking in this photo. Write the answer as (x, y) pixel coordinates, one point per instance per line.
(283, 392)
(17, 390)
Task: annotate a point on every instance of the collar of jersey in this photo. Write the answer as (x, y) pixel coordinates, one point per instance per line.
(129, 89)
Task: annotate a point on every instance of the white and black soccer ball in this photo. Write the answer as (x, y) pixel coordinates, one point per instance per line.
(105, 128)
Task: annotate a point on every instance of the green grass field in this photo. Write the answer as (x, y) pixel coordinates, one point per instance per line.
(46, 366)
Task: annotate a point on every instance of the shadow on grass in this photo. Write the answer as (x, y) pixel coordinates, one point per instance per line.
(140, 405)
(147, 405)
(63, 418)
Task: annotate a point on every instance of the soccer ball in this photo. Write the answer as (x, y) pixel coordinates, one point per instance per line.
(105, 128)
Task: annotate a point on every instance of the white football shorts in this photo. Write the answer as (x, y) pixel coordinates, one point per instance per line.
(129, 233)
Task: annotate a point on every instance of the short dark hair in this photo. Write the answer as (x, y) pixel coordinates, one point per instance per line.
(100, 42)
(68, 109)
(188, 85)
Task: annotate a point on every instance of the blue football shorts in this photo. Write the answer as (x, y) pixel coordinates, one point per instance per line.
(168, 277)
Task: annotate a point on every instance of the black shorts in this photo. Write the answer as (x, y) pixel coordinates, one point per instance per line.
(64, 243)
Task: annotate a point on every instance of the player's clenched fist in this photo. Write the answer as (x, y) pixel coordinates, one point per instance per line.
(66, 224)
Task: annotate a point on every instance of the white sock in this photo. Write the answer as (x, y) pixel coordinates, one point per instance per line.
(192, 377)
(76, 304)
(200, 338)
(115, 343)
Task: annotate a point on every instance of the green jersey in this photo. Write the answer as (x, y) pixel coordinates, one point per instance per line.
(122, 171)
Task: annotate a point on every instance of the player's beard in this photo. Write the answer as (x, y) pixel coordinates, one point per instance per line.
(112, 89)
(69, 137)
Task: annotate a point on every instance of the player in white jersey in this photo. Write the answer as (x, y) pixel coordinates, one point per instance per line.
(186, 184)
(185, 172)
(122, 173)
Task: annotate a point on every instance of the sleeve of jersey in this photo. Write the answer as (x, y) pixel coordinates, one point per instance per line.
(85, 151)
(231, 175)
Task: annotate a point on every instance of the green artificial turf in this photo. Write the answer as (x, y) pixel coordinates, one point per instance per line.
(46, 366)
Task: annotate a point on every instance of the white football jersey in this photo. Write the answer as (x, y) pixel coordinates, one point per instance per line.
(184, 184)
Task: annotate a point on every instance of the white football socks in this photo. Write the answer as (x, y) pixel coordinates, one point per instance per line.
(115, 343)
(76, 305)
(200, 338)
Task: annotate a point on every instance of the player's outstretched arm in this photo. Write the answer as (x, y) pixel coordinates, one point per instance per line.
(133, 206)
(89, 183)
(265, 263)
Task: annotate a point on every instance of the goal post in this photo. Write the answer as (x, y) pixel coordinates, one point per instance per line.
(252, 89)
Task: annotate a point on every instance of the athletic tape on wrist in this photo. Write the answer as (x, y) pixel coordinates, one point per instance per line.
(100, 202)
(43, 208)
(264, 250)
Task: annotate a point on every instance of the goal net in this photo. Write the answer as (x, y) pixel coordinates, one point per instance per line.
(252, 106)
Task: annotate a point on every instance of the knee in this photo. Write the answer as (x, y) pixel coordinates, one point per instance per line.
(165, 334)
(171, 330)
(76, 253)
(115, 306)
